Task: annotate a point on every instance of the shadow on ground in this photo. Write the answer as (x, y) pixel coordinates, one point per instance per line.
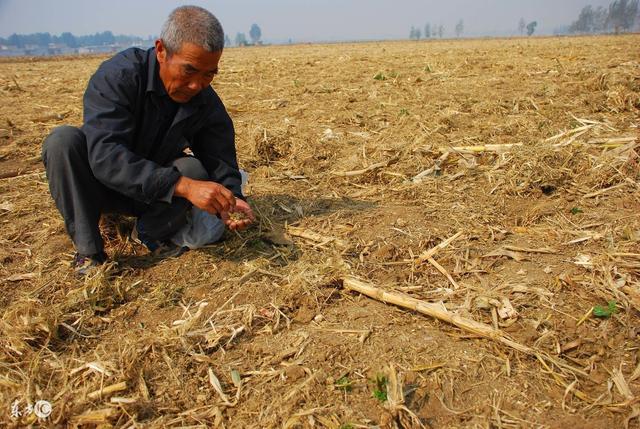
(266, 238)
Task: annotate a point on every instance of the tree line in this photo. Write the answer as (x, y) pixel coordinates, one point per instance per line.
(432, 31)
(620, 16)
(438, 30)
(68, 39)
(106, 38)
(429, 31)
(255, 33)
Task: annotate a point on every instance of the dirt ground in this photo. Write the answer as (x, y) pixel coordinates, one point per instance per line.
(521, 155)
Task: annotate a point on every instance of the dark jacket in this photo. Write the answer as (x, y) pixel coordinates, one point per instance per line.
(130, 143)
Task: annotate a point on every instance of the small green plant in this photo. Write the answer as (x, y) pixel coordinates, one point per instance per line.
(403, 112)
(344, 383)
(380, 390)
(576, 210)
(347, 426)
(428, 68)
(380, 76)
(605, 312)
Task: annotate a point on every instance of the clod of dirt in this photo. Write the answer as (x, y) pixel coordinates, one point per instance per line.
(305, 314)
(294, 373)
(277, 237)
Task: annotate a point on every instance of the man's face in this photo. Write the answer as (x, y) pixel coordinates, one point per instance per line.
(187, 72)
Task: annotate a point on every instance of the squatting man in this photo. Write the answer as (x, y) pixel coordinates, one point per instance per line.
(156, 143)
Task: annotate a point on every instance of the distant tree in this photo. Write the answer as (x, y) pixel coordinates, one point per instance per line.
(109, 37)
(122, 39)
(585, 22)
(531, 27)
(241, 39)
(227, 41)
(622, 15)
(415, 33)
(633, 13)
(88, 40)
(255, 33)
(427, 31)
(600, 20)
(97, 39)
(459, 28)
(521, 26)
(69, 40)
(16, 40)
(43, 39)
(105, 38)
(441, 31)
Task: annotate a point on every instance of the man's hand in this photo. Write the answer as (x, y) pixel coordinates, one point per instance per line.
(240, 217)
(211, 197)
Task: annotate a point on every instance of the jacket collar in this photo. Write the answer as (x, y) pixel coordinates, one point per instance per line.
(154, 84)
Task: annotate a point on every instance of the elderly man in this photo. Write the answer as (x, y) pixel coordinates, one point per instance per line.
(143, 112)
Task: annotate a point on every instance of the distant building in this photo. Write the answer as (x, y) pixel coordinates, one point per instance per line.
(56, 49)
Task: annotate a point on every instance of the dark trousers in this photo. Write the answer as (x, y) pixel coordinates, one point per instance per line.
(81, 198)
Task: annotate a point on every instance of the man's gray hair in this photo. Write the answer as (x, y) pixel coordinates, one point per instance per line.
(192, 24)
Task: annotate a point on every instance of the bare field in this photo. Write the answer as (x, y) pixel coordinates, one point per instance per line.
(493, 184)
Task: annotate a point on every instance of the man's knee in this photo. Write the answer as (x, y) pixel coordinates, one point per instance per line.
(63, 142)
(191, 167)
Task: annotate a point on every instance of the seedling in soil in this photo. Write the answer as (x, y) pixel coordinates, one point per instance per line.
(605, 312)
(344, 383)
(576, 210)
(380, 76)
(380, 391)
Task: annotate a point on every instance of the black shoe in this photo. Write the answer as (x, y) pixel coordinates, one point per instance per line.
(159, 248)
(168, 249)
(85, 265)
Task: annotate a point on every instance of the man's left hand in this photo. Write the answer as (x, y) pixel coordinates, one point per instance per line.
(243, 219)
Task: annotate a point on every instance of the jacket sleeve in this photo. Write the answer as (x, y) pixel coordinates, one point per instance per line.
(109, 126)
(214, 146)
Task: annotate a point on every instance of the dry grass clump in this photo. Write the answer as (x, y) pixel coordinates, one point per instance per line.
(538, 168)
(613, 167)
(535, 169)
(32, 326)
(203, 332)
(621, 90)
(26, 327)
(270, 145)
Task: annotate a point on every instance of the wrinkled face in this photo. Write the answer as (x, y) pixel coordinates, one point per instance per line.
(188, 71)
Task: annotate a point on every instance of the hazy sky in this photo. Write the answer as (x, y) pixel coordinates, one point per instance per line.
(302, 20)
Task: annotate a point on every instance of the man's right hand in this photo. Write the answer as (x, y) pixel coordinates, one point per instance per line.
(211, 197)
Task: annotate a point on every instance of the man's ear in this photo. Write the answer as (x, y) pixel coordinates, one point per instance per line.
(161, 51)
